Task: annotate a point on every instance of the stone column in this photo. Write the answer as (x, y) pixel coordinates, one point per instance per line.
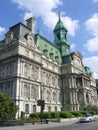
(84, 97)
(39, 74)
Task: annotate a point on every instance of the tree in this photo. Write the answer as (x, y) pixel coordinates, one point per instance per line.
(8, 107)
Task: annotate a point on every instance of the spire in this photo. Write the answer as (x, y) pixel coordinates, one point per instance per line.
(60, 36)
(59, 24)
(59, 15)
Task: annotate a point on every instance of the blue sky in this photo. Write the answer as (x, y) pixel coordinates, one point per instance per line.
(79, 16)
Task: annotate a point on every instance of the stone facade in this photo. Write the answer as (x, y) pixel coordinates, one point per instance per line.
(31, 68)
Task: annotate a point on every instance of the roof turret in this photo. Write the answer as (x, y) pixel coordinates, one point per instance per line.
(59, 25)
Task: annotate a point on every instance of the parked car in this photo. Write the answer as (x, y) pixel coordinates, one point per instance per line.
(88, 118)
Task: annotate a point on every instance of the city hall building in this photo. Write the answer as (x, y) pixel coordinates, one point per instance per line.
(33, 68)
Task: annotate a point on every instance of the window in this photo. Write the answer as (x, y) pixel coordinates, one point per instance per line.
(48, 96)
(53, 81)
(34, 108)
(27, 108)
(1, 87)
(49, 108)
(32, 72)
(26, 91)
(30, 41)
(54, 96)
(56, 58)
(32, 92)
(45, 52)
(58, 36)
(25, 70)
(51, 55)
(47, 79)
(55, 108)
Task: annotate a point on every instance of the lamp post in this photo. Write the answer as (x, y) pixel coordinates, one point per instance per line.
(41, 111)
(41, 103)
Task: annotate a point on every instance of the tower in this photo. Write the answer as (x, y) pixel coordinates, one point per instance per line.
(60, 37)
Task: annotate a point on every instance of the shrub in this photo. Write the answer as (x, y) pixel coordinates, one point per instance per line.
(66, 114)
(34, 115)
(92, 112)
(46, 115)
(77, 113)
(55, 114)
(84, 112)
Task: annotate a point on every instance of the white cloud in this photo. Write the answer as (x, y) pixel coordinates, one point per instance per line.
(44, 9)
(92, 44)
(72, 25)
(92, 24)
(72, 47)
(95, 0)
(92, 62)
(2, 31)
(92, 27)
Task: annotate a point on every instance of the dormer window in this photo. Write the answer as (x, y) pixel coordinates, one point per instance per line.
(51, 55)
(56, 58)
(45, 52)
(9, 37)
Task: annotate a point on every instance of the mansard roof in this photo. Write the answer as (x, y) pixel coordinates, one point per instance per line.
(44, 44)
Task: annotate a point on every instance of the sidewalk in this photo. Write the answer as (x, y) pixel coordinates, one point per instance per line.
(50, 124)
(38, 126)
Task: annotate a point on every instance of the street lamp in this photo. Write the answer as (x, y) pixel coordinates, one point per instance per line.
(41, 103)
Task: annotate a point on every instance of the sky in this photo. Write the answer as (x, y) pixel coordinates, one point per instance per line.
(80, 17)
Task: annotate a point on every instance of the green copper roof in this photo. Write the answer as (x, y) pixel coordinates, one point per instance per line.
(87, 69)
(50, 50)
(59, 25)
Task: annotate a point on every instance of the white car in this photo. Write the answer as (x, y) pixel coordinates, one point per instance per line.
(88, 118)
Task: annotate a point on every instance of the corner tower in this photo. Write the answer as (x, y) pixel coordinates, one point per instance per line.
(60, 37)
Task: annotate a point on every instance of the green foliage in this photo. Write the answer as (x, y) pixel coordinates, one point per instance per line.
(34, 115)
(61, 114)
(8, 107)
(84, 112)
(55, 114)
(92, 112)
(46, 115)
(66, 114)
(76, 113)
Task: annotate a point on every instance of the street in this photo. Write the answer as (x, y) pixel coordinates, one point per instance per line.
(57, 126)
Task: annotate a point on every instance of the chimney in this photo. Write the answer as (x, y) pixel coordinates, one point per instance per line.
(30, 24)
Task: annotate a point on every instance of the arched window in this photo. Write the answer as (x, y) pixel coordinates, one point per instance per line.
(32, 72)
(53, 81)
(58, 36)
(54, 96)
(49, 108)
(45, 52)
(47, 79)
(48, 96)
(34, 108)
(25, 70)
(26, 91)
(32, 92)
(55, 108)
(27, 108)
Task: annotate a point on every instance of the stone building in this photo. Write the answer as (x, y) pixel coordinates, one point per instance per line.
(97, 86)
(32, 67)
